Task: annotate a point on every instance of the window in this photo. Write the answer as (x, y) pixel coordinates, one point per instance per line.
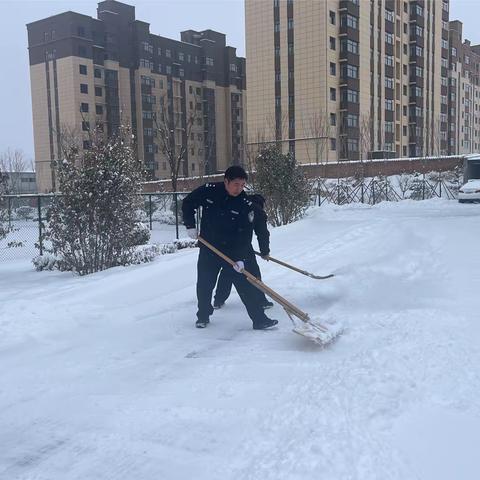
(276, 27)
(81, 31)
(333, 68)
(83, 88)
(181, 72)
(350, 71)
(333, 119)
(168, 53)
(389, 60)
(98, 91)
(277, 51)
(209, 61)
(352, 144)
(389, 127)
(82, 69)
(389, 15)
(99, 109)
(389, 105)
(348, 20)
(332, 16)
(181, 56)
(290, 23)
(159, 51)
(333, 144)
(352, 120)
(454, 52)
(84, 107)
(467, 60)
(389, 38)
(444, 44)
(332, 43)
(97, 73)
(233, 67)
(389, 82)
(291, 50)
(86, 144)
(168, 69)
(333, 94)
(349, 46)
(350, 96)
(85, 126)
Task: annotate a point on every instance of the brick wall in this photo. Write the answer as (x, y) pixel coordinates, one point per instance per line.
(370, 168)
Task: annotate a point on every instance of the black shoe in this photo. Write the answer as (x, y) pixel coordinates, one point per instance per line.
(217, 305)
(267, 323)
(267, 305)
(200, 323)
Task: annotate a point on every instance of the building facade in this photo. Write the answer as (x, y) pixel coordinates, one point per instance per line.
(464, 93)
(337, 80)
(109, 71)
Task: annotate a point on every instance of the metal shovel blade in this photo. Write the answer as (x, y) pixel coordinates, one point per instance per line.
(319, 334)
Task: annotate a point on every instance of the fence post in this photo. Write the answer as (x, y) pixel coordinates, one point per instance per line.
(423, 187)
(362, 192)
(318, 194)
(373, 191)
(386, 189)
(175, 195)
(40, 234)
(441, 181)
(150, 209)
(9, 201)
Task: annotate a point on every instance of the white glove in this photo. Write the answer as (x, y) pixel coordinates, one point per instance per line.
(192, 233)
(239, 266)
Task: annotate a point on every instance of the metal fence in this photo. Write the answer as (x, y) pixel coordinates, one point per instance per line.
(381, 189)
(26, 216)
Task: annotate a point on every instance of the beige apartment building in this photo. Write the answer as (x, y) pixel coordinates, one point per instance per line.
(336, 80)
(464, 93)
(103, 72)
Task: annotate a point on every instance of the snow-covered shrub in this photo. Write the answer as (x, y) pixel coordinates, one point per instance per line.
(47, 261)
(282, 183)
(91, 225)
(141, 234)
(25, 212)
(185, 243)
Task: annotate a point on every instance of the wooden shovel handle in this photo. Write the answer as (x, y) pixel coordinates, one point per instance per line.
(259, 284)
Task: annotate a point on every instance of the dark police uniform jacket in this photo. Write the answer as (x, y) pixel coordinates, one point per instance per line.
(227, 222)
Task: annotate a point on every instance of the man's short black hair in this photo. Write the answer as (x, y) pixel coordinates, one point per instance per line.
(234, 172)
(257, 199)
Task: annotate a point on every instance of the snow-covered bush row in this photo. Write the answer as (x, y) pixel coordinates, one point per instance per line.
(141, 254)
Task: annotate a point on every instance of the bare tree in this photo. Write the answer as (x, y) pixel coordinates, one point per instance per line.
(12, 163)
(173, 130)
(316, 128)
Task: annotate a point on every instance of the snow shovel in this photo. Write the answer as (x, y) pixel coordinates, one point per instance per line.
(315, 331)
(299, 270)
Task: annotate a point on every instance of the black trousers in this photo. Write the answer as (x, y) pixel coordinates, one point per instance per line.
(224, 284)
(208, 267)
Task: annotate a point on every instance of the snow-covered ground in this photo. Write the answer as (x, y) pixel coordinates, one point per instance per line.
(105, 377)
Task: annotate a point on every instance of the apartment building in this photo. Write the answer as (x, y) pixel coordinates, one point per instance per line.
(337, 80)
(464, 93)
(112, 70)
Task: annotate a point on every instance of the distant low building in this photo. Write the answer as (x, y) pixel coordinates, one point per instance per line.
(21, 182)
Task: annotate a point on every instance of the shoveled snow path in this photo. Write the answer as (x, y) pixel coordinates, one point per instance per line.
(104, 377)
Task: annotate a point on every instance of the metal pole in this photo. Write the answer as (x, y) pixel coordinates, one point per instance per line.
(150, 208)
(175, 195)
(9, 201)
(40, 234)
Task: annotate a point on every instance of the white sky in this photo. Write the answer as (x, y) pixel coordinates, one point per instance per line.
(166, 17)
